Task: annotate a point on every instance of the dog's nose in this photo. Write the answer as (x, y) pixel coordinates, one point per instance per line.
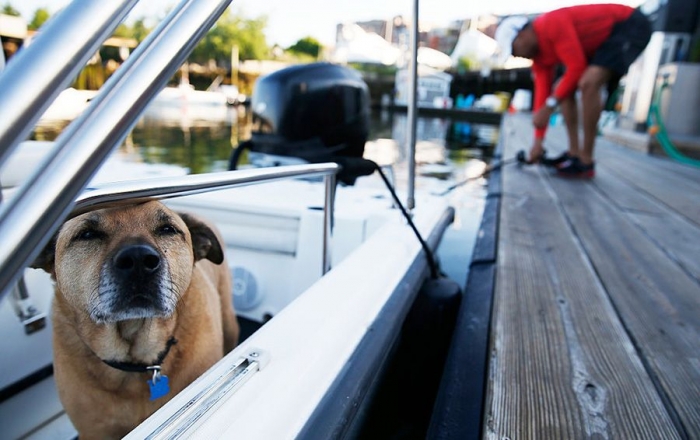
(137, 259)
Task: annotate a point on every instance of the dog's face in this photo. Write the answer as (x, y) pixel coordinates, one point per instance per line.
(129, 262)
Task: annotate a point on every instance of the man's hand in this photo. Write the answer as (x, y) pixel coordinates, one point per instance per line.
(541, 117)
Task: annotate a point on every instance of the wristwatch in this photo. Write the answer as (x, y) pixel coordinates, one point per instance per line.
(551, 102)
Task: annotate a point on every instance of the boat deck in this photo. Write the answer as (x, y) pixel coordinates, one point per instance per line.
(581, 316)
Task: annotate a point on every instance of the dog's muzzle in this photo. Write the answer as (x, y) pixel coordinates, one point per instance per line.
(135, 284)
(136, 261)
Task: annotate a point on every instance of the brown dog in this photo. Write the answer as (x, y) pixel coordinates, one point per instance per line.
(139, 312)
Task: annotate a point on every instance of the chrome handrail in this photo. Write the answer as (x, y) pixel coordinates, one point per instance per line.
(40, 71)
(28, 220)
(111, 195)
(160, 188)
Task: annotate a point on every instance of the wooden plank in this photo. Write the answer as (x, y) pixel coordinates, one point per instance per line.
(659, 195)
(672, 183)
(674, 234)
(656, 163)
(657, 300)
(676, 192)
(562, 365)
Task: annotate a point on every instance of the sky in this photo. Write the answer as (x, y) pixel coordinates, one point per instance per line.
(291, 20)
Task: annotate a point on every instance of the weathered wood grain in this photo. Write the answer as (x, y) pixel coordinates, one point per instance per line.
(656, 299)
(595, 329)
(671, 232)
(671, 183)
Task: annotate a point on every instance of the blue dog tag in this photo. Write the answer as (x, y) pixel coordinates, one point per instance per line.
(159, 386)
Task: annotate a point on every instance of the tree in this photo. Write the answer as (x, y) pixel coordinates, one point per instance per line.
(232, 30)
(138, 30)
(307, 45)
(9, 10)
(41, 16)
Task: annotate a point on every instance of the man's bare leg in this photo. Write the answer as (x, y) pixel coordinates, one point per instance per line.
(569, 111)
(590, 84)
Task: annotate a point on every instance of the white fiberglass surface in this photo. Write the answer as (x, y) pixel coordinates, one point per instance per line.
(310, 340)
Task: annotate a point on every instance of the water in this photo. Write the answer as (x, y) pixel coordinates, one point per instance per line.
(202, 140)
(204, 145)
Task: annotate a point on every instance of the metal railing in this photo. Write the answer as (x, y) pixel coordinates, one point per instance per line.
(35, 77)
(129, 192)
(40, 71)
(115, 194)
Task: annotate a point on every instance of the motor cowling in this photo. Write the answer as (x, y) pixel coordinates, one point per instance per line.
(314, 112)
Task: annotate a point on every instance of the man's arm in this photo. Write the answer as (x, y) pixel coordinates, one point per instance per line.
(569, 50)
(544, 77)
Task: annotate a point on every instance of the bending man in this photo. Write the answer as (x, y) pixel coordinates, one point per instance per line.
(596, 45)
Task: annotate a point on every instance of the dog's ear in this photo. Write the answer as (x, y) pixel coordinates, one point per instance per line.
(46, 259)
(205, 244)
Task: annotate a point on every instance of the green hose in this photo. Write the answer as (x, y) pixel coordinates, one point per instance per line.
(662, 135)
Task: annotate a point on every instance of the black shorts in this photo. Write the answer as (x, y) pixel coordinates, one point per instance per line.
(626, 41)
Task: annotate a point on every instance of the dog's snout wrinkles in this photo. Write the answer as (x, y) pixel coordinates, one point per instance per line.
(137, 259)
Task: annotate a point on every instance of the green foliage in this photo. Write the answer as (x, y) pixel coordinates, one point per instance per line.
(232, 30)
(307, 45)
(92, 77)
(297, 58)
(41, 16)
(138, 30)
(8, 9)
(374, 69)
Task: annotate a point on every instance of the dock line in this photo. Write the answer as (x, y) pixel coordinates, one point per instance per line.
(494, 166)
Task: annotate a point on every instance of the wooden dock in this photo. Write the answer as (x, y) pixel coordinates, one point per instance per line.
(581, 315)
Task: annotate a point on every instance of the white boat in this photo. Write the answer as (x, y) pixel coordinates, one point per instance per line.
(325, 276)
(275, 250)
(69, 104)
(181, 104)
(186, 106)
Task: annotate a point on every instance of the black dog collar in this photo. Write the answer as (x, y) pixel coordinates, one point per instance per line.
(136, 367)
(159, 383)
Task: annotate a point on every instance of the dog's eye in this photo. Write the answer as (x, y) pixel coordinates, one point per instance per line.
(167, 230)
(89, 234)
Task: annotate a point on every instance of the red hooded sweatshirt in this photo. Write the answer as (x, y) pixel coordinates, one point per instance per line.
(570, 36)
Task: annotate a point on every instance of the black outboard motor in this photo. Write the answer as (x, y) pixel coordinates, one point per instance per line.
(315, 112)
